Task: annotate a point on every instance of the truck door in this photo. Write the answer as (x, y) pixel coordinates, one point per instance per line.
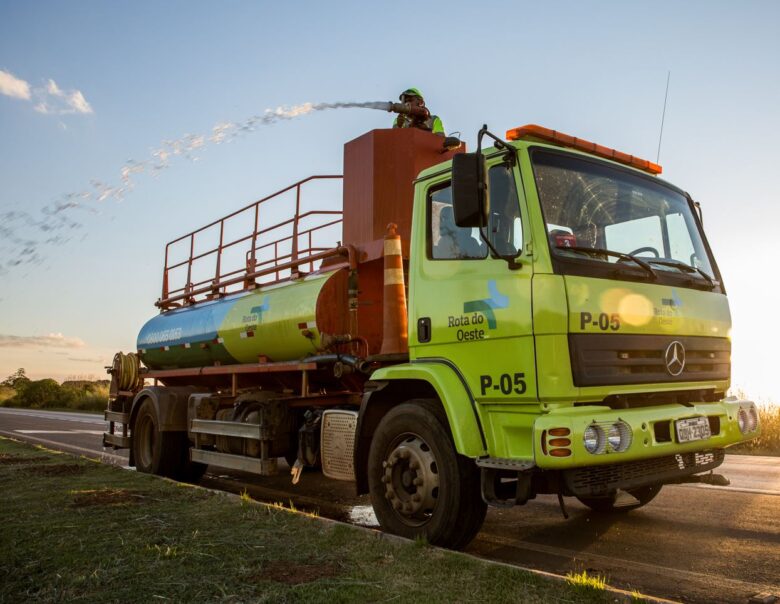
(467, 307)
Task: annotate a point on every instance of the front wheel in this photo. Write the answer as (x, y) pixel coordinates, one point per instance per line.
(420, 486)
(612, 503)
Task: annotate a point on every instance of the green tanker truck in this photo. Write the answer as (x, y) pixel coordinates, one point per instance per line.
(541, 316)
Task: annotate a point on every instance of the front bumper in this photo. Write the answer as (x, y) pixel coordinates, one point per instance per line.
(595, 481)
(651, 431)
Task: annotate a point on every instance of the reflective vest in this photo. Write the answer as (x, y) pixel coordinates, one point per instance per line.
(431, 124)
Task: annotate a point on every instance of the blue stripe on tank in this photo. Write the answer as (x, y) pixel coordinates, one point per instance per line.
(198, 323)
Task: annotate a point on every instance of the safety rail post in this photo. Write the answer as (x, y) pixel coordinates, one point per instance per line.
(311, 264)
(294, 272)
(252, 261)
(276, 258)
(165, 275)
(188, 287)
(218, 272)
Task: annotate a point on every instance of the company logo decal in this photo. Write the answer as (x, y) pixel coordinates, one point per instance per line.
(487, 305)
(675, 358)
(256, 315)
(476, 312)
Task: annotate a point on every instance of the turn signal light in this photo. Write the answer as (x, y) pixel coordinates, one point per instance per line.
(560, 452)
(560, 432)
(560, 442)
(533, 131)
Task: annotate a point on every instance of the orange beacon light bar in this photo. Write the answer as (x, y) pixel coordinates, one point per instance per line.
(565, 140)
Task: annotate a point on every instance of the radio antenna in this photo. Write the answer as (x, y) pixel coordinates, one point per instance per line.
(663, 116)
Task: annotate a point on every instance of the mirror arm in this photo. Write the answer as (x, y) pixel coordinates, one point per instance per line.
(500, 144)
(511, 261)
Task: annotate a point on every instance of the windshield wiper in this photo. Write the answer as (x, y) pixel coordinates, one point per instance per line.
(597, 251)
(686, 268)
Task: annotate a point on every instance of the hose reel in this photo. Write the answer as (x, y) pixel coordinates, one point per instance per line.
(126, 369)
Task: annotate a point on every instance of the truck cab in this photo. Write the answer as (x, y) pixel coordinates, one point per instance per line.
(583, 334)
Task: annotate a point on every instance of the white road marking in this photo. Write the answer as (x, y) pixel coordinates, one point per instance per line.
(60, 446)
(733, 489)
(95, 432)
(82, 418)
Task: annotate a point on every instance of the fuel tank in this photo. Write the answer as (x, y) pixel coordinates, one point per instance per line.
(280, 322)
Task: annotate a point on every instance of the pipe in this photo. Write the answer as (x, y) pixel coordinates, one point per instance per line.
(356, 363)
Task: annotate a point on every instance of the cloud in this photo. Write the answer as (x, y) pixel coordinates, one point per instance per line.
(49, 99)
(54, 100)
(52, 340)
(12, 86)
(87, 360)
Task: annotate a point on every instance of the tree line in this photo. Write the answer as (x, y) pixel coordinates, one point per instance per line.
(18, 390)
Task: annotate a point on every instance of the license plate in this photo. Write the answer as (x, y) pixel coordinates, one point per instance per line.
(693, 428)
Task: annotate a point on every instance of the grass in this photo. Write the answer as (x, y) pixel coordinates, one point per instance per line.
(75, 530)
(769, 441)
(583, 579)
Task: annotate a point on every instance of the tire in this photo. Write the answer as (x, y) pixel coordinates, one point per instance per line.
(419, 485)
(157, 452)
(607, 505)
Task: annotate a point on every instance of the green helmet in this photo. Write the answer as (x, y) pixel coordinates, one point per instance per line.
(410, 92)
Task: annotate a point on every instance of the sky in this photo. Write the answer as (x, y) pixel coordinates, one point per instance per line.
(90, 88)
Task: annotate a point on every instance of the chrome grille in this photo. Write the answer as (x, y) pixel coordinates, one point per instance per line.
(615, 359)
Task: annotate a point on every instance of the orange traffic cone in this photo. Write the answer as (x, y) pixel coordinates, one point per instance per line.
(394, 337)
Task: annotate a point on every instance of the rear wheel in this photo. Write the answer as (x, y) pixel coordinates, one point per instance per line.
(161, 453)
(419, 485)
(615, 503)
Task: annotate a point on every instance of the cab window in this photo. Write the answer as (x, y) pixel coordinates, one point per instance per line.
(505, 228)
(446, 241)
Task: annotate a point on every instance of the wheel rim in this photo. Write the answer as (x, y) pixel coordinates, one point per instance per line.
(410, 474)
(145, 435)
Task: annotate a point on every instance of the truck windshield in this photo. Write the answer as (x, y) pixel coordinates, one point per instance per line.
(590, 206)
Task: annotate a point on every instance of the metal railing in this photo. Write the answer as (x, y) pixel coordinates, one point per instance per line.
(281, 258)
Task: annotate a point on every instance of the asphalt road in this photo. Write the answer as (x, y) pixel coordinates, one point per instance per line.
(693, 543)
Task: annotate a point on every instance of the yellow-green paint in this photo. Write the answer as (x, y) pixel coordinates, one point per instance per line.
(275, 321)
(530, 338)
(455, 398)
(648, 308)
(278, 330)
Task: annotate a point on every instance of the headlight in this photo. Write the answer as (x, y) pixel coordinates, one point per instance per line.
(593, 439)
(752, 419)
(742, 420)
(619, 437)
(613, 437)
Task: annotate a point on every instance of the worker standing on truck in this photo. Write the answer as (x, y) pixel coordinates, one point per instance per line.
(431, 123)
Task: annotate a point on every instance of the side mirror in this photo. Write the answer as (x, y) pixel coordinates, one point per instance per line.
(469, 191)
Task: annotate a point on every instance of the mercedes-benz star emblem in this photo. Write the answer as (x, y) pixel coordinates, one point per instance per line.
(675, 358)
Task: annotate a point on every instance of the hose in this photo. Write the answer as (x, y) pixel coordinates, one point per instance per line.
(127, 370)
(347, 359)
(408, 109)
